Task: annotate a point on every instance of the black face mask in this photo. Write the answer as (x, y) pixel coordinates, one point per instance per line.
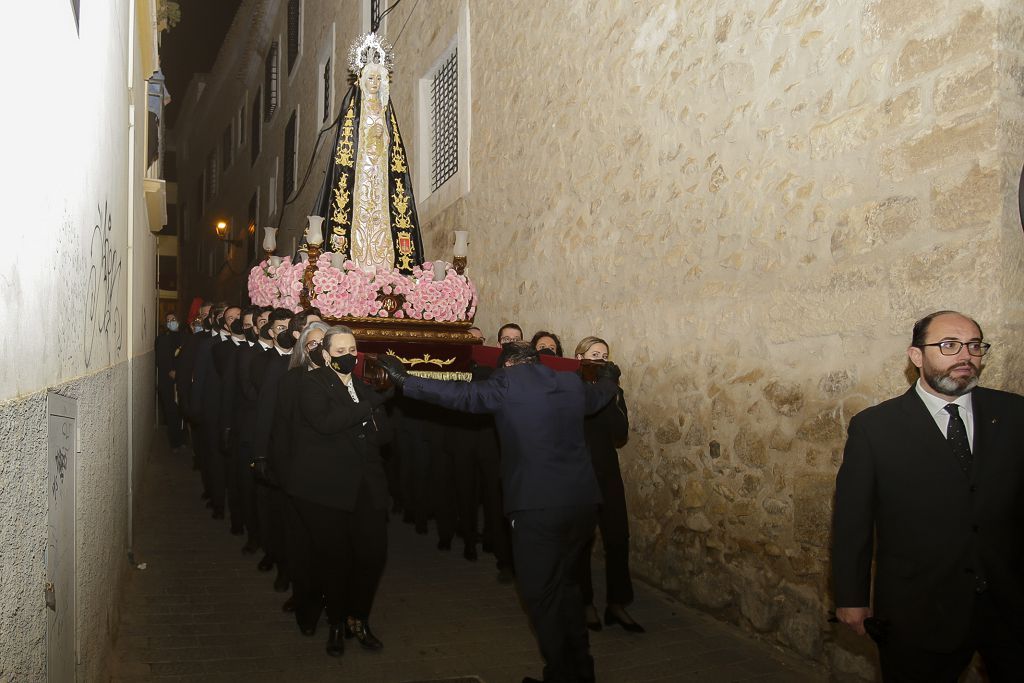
(344, 364)
(285, 339)
(237, 327)
(316, 357)
(250, 335)
(546, 352)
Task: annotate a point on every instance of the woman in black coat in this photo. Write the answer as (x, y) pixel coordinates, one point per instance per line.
(606, 430)
(339, 489)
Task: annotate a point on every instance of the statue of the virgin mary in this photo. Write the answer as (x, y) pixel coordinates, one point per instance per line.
(367, 195)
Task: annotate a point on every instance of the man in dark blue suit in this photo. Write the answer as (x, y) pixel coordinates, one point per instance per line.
(550, 490)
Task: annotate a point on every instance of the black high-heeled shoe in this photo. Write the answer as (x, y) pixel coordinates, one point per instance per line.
(627, 623)
(335, 645)
(360, 630)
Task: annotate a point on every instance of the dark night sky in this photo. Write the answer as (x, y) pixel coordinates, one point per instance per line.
(192, 45)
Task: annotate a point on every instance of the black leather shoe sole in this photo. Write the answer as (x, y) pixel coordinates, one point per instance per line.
(266, 564)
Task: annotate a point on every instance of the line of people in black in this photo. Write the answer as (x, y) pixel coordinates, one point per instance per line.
(306, 461)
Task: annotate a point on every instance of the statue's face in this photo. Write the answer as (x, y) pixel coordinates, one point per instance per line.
(373, 83)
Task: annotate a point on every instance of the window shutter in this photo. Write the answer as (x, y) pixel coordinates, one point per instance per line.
(294, 19)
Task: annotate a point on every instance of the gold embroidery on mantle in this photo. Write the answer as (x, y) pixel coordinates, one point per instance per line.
(398, 164)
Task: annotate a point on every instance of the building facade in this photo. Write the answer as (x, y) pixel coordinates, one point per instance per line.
(751, 201)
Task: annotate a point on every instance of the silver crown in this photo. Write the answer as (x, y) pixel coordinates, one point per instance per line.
(370, 49)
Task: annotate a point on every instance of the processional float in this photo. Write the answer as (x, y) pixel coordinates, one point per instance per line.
(370, 273)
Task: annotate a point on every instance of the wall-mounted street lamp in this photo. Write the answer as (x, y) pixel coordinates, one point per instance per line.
(221, 228)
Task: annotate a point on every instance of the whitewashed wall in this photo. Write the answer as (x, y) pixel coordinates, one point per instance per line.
(77, 304)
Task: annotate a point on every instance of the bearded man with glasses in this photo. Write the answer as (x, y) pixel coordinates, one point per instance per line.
(932, 488)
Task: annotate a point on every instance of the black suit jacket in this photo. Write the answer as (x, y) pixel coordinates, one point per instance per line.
(935, 531)
(336, 443)
(167, 348)
(205, 393)
(539, 415)
(271, 366)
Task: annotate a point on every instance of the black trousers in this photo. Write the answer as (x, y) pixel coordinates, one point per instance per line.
(548, 546)
(233, 475)
(456, 491)
(212, 462)
(993, 636)
(347, 553)
(172, 416)
(245, 481)
(613, 521)
(496, 526)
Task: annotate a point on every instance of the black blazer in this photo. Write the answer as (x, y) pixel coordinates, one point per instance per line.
(336, 443)
(205, 393)
(539, 415)
(272, 366)
(167, 349)
(936, 529)
(605, 431)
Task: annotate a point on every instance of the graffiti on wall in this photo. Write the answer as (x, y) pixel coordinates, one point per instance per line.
(104, 328)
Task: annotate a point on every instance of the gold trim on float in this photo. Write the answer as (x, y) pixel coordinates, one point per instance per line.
(447, 376)
(425, 360)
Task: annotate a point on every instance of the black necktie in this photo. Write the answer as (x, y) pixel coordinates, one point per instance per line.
(956, 435)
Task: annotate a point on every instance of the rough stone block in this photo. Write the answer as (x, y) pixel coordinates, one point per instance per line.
(973, 87)
(967, 202)
(972, 34)
(812, 508)
(942, 145)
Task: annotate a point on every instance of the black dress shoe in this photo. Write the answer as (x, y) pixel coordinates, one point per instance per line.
(308, 630)
(204, 496)
(289, 605)
(237, 530)
(531, 679)
(218, 513)
(360, 630)
(266, 564)
(506, 575)
(469, 552)
(250, 548)
(486, 547)
(209, 503)
(335, 645)
(444, 545)
(281, 582)
(421, 528)
(623, 620)
(408, 517)
(590, 615)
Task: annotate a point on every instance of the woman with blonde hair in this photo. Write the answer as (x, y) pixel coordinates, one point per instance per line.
(605, 431)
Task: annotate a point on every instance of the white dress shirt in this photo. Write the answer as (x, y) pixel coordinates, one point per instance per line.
(937, 407)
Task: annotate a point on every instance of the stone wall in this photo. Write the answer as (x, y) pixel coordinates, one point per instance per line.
(753, 201)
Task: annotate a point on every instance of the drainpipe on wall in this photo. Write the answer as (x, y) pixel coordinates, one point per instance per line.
(130, 412)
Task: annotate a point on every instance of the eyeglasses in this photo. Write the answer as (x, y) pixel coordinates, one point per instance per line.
(312, 345)
(506, 340)
(951, 347)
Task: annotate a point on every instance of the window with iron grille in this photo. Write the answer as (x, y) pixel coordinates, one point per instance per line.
(444, 121)
(255, 129)
(250, 231)
(294, 31)
(240, 125)
(327, 91)
(290, 157)
(270, 69)
(227, 148)
(211, 175)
